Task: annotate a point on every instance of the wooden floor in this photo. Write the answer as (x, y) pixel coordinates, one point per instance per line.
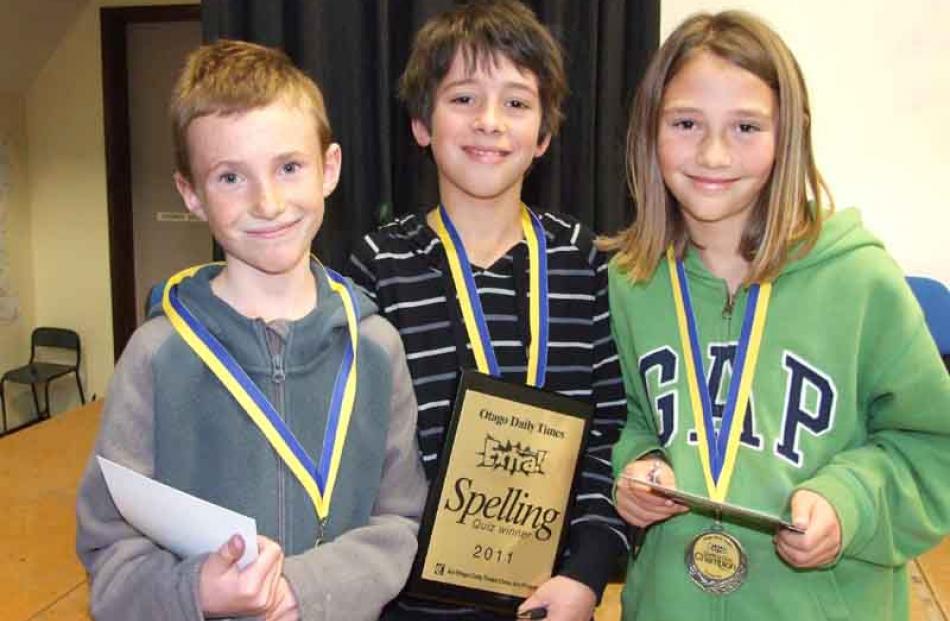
(41, 580)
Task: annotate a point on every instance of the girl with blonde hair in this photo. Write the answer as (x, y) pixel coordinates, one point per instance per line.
(772, 354)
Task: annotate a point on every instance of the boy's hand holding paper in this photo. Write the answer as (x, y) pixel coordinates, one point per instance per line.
(179, 522)
(236, 578)
(226, 590)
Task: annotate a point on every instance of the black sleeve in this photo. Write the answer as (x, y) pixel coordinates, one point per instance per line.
(361, 266)
(598, 536)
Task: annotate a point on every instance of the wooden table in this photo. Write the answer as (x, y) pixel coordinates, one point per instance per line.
(40, 576)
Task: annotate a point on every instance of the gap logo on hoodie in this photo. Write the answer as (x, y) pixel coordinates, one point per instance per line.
(809, 402)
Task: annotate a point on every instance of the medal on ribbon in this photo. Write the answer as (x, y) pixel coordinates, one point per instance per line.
(317, 477)
(716, 561)
(470, 305)
(718, 450)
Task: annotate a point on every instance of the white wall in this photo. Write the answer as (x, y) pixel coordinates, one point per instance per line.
(16, 276)
(878, 73)
(68, 201)
(68, 210)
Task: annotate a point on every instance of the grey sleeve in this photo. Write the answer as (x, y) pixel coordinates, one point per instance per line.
(355, 575)
(131, 577)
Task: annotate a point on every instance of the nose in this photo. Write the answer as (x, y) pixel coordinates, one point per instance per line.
(714, 151)
(489, 118)
(269, 202)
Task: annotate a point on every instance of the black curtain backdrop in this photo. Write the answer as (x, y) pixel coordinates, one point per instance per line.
(356, 50)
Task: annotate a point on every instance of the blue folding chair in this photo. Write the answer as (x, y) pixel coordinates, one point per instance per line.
(934, 299)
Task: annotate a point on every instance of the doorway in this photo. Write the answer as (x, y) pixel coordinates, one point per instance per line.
(151, 235)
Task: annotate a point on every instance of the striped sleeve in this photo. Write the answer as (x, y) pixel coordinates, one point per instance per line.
(597, 532)
(361, 267)
(609, 415)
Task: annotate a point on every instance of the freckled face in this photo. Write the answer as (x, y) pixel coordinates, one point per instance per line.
(259, 179)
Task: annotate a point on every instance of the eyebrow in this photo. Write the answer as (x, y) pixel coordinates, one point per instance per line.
(224, 163)
(744, 112)
(506, 85)
(287, 155)
(295, 154)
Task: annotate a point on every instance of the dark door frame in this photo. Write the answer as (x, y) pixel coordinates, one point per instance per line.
(115, 101)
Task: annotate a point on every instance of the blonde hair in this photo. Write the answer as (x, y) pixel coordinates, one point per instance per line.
(788, 214)
(230, 77)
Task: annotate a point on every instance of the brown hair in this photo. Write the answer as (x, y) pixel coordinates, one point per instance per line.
(788, 214)
(230, 77)
(481, 30)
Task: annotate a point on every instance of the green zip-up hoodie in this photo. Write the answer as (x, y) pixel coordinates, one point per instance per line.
(850, 400)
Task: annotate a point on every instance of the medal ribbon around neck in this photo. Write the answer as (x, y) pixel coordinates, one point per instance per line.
(471, 306)
(317, 479)
(717, 451)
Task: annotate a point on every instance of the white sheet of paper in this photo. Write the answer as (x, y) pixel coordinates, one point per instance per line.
(180, 522)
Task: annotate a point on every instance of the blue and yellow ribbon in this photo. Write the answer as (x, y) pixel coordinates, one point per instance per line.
(470, 304)
(717, 451)
(318, 479)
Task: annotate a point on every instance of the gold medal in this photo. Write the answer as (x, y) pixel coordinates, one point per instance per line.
(716, 561)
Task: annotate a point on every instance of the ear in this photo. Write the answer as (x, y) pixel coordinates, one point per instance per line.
(332, 162)
(543, 146)
(421, 133)
(191, 199)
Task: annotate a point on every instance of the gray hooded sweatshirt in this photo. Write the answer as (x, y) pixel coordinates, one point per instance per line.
(167, 417)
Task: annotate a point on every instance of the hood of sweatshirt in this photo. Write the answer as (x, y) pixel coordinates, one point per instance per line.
(320, 331)
(841, 233)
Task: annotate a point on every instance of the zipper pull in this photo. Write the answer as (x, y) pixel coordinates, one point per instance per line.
(728, 306)
(278, 376)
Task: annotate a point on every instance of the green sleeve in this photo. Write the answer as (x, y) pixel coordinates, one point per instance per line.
(892, 494)
(640, 434)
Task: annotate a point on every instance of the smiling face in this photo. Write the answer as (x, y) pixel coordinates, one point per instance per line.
(716, 142)
(484, 131)
(259, 179)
